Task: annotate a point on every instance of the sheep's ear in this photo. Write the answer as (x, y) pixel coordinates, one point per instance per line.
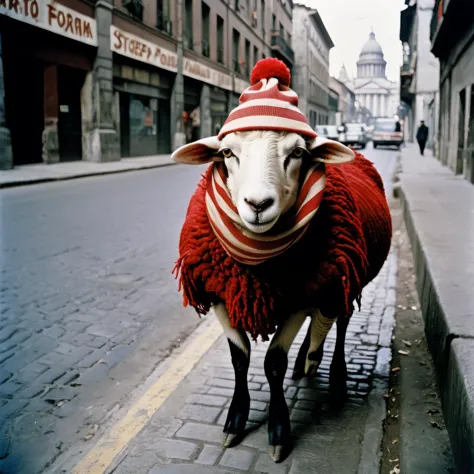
(198, 153)
(329, 151)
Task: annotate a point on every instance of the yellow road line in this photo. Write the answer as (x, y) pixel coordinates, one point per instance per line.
(112, 442)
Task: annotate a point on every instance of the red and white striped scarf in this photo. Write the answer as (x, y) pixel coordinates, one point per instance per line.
(248, 247)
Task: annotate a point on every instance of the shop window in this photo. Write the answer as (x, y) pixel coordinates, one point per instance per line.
(247, 58)
(220, 40)
(188, 30)
(205, 30)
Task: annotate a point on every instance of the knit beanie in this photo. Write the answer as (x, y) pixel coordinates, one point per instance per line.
(268, 104)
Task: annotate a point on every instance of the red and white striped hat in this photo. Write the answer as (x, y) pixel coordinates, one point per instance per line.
(268, 104)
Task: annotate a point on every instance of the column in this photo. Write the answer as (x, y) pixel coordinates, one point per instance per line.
(101, 142)
(205, 107)
(178, 137)
(6, 156)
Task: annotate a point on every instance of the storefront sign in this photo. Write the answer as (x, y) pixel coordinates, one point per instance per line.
(126, 44)
(206, 74)
(52, 16)
(240, 85)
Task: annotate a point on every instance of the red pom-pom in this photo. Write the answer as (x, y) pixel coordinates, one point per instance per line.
(270, 67)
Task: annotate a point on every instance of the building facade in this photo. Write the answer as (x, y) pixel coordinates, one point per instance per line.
(346, 105)
(452, 42)
(419, 74)
(310, 78)
(372, 89)
(127, 77)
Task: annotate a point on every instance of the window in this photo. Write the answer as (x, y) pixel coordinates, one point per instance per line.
(236, 50)
(163, 22)
(262, 13)
(255, 55)
(282, 31)
(274, 22)
(237, 5)
(247, 58)
(220, 40)
(188, 23)
(206, 12)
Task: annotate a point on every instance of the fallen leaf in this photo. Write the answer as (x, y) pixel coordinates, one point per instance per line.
(395, 470)
(386, 395)
(431, 411)
(393, 399)
(405, 353)
(395, 441)
(413, 308)
(435, 424)
(395, 369)
(422, 362)
(407, 343)
(394, 460)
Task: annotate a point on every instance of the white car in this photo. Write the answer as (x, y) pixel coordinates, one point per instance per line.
(327, 131)
(354, 134)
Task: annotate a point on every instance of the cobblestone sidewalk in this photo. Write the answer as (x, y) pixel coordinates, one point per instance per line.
(186, 432)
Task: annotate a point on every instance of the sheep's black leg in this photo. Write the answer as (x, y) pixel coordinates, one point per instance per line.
(239, 345)
(338, 372)
(239, 408)
(276, 363)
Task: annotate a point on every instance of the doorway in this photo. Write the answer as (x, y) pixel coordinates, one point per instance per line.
(24, 109)
(70, 82)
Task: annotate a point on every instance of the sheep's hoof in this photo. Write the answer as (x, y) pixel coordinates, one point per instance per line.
(298, 373)
(276, 453)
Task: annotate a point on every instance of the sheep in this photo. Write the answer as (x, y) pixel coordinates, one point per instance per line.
(283, 225)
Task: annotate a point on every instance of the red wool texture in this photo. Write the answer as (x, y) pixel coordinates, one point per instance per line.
(343, 249)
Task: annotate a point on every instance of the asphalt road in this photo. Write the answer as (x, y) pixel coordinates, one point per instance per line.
(88, 305)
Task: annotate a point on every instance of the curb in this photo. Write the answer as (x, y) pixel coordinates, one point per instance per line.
(452, 353)
(28, 182)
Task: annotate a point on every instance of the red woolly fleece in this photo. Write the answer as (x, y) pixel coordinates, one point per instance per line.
(270, 67)
(343, 250)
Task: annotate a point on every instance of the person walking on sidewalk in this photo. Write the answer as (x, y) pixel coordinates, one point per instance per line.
(422, 136)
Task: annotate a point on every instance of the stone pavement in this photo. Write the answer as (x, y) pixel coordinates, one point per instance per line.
(32, 174)
(439, 210)
(185, 434)
(86, 289)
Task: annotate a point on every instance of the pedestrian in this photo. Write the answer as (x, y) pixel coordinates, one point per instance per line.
(422, 136)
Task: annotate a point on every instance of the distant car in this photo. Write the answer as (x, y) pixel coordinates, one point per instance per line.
(387, 132)
(354, 134)
(327, 131)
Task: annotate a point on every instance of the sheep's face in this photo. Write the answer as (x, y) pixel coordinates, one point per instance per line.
(263, 174)
(263, 168)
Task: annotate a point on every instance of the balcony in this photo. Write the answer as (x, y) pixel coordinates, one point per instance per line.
(281, 47)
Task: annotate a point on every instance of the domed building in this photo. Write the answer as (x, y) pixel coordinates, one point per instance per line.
(373, 90)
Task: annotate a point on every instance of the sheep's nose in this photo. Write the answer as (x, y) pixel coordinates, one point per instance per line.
(259, 206)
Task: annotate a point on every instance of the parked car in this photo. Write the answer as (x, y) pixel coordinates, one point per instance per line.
(387, 132)
(327, 131)
(353, 134)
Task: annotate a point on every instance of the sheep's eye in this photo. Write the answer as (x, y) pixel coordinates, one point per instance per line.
(227, 153)
(298, 152)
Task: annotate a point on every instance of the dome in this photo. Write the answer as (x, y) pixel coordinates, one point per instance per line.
(371, 46)
(371, 62)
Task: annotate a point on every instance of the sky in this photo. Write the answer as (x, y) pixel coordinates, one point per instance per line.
(349, 23)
